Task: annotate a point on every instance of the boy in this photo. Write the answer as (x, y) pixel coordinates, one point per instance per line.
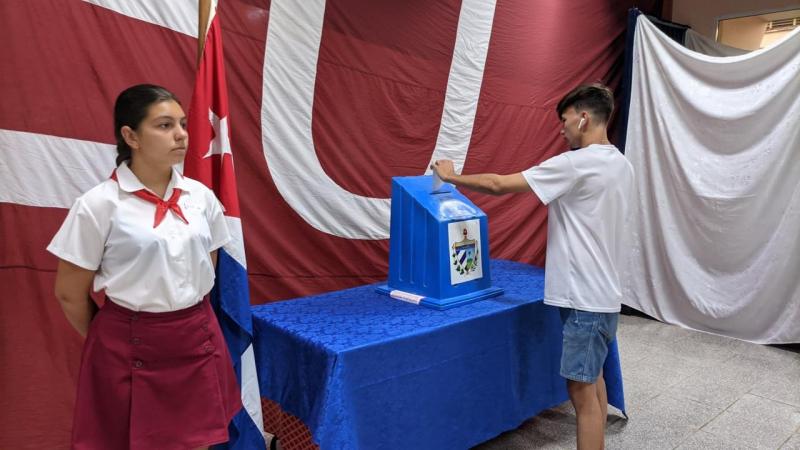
(587, 193)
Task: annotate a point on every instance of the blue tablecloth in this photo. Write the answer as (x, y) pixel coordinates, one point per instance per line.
(365, 371)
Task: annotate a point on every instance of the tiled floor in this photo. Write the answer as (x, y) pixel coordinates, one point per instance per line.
(686, 390)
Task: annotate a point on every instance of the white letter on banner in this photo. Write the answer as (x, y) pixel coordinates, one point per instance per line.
(180, 16)
(289, 75)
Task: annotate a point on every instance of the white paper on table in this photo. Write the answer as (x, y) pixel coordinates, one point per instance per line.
(406, 296)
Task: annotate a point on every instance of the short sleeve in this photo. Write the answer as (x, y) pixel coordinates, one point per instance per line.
(220, 234)
(552, 178)
(80, 240)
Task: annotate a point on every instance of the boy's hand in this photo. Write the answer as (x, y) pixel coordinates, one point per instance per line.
(444, 168)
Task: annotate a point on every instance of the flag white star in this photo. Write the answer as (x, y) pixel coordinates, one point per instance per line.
(221, 143)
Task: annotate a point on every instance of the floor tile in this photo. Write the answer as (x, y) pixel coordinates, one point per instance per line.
(792, 444)
(706, 441)
(720, 385)
(781, 387)
(757, 422)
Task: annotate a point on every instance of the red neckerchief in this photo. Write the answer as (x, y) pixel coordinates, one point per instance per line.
(161, 206)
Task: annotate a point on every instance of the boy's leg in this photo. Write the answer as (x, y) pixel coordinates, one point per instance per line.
(584, 350)
(602, 397)
(585, 399)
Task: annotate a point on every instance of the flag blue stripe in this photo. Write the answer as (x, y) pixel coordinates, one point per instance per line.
(231, 301)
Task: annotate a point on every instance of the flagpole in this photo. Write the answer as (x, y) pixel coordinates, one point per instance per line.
(203, 13)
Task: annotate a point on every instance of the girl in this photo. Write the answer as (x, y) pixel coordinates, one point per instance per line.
(155, 370)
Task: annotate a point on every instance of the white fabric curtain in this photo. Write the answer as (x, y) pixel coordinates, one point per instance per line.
(701, 44)
(715, 145)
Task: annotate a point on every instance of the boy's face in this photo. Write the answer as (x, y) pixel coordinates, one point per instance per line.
(570, 119)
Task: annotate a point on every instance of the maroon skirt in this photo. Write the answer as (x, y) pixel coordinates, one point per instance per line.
(154, 381)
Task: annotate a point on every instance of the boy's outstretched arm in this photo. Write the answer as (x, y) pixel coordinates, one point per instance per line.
(487, 183)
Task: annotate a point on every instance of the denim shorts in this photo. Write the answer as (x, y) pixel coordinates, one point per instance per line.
(586, 339)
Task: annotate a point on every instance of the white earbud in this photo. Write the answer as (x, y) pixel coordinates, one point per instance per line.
(580, 124)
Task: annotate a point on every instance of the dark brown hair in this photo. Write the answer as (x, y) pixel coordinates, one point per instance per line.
(595, 98)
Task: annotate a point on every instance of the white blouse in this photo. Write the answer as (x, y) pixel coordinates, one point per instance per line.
(167, 268)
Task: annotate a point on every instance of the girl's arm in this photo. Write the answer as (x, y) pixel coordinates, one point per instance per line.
(73, 284)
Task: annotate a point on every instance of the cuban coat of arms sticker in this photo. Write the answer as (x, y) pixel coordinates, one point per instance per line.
(465, 251)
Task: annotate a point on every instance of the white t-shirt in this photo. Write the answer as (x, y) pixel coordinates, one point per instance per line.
(142, 268)
(588, 192)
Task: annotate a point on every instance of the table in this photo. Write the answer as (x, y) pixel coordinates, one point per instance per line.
(365, 371)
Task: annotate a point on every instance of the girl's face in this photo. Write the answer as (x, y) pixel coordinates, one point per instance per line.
(160, 140)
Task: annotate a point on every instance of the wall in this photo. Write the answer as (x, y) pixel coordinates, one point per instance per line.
(745, 33)
(772, 37)
(702, 16)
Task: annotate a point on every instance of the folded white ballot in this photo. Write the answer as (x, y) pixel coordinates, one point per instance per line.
(437, 183)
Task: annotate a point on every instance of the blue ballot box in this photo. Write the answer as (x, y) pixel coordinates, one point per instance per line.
(438, 246)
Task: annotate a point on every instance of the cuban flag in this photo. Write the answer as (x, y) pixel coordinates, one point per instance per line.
(210, 161)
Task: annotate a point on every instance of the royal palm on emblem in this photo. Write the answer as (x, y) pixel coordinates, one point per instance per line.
(465, 254)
